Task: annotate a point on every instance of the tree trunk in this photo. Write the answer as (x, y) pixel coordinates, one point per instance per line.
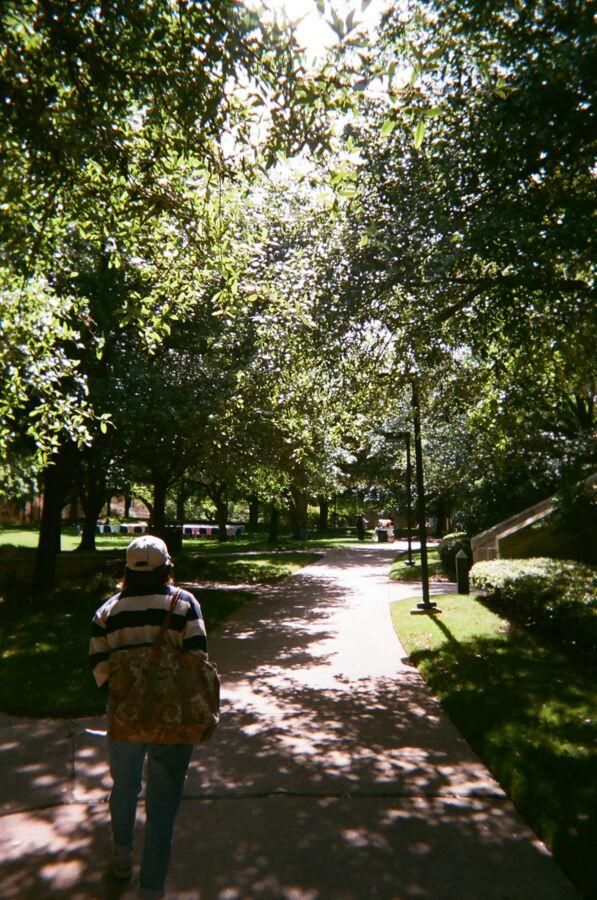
(160, 488)
(92, 508)
(274, 521)
(222, 515)
(127, 504)
(92, 493)
(253, 512)
(442, 516)
(291, 513)
(324, 515)
(57, 479)
(148, 504)
(73, 512)
(300, 508)
(181, 499)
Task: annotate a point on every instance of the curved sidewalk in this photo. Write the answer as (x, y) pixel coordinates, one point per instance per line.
(334, 775)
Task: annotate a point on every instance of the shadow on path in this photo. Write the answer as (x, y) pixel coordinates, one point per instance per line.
(334, 774)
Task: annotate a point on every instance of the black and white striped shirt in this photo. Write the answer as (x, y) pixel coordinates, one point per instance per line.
(134, 621)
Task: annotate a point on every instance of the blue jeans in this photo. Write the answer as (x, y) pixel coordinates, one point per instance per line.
(167, 766)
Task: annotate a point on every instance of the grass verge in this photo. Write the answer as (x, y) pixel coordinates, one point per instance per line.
(44, 670)
(242, 568)
(27, 537)
(529, 711)
(401, 571)
(43, 643)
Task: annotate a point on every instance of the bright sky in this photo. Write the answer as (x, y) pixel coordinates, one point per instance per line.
(313, 30)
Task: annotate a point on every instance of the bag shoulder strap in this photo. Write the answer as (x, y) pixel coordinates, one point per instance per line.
(155, 650)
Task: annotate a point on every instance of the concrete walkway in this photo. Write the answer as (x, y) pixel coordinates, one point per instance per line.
(334, 775)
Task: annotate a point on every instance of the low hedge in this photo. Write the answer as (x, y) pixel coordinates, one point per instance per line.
(449, 546)
(557, 596)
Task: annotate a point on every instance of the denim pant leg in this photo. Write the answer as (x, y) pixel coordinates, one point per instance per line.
(167, 766)
(126, 768)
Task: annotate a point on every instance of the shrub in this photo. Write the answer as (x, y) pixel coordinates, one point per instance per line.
(449, 546)
(557, 596)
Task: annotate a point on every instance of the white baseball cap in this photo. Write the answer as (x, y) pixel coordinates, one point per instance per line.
(147, 553)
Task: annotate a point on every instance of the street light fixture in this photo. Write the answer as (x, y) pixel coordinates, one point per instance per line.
(426, 605)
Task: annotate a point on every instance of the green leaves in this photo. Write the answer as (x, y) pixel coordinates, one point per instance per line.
(419, 134)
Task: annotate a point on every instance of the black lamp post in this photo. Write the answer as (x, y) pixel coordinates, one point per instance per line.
(405, 435)
(426, 605)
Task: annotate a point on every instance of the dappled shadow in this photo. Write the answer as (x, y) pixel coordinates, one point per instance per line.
(357, 738)
(58, 852)
(310, 706)
(333, 775)
(338, 849)
(36, 761)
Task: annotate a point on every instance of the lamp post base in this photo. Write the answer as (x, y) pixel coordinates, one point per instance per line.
(421, 608)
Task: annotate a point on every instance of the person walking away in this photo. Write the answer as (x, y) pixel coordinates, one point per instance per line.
(132, 618)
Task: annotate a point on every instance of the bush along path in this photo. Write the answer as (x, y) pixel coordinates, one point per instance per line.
(334, 772)
(557, 598)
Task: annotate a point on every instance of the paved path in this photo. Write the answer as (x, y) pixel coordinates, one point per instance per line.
(334, 774)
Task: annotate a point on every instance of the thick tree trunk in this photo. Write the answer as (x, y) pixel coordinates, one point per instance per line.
(253, 512)
(324, 514)
(57, 479)
(217, 493)
(181, 499)
(92, 507)
(127, 504)
(87, 544)
(300, 509)
(73, 512)
(92, 493)
(274, 521)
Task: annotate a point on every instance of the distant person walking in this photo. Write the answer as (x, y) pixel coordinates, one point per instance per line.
(361, 526)
(135, 617)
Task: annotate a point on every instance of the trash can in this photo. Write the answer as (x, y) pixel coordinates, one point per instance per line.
(382, 535)
(462, 572)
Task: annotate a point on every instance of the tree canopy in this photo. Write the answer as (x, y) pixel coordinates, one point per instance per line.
(246, 258)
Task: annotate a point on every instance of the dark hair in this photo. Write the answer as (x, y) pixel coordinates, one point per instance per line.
(135, 584)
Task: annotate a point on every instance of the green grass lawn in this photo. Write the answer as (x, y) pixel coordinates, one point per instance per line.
(401, 571)
(28, 536)
(43, 649)
(528, 710)
(242, 569)
(43, 644)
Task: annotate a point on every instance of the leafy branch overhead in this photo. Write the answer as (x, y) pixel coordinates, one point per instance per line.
(248, 252)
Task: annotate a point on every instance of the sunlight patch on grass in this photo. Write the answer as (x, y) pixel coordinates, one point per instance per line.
(401, 571)
(461, 619)
(243, 569)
